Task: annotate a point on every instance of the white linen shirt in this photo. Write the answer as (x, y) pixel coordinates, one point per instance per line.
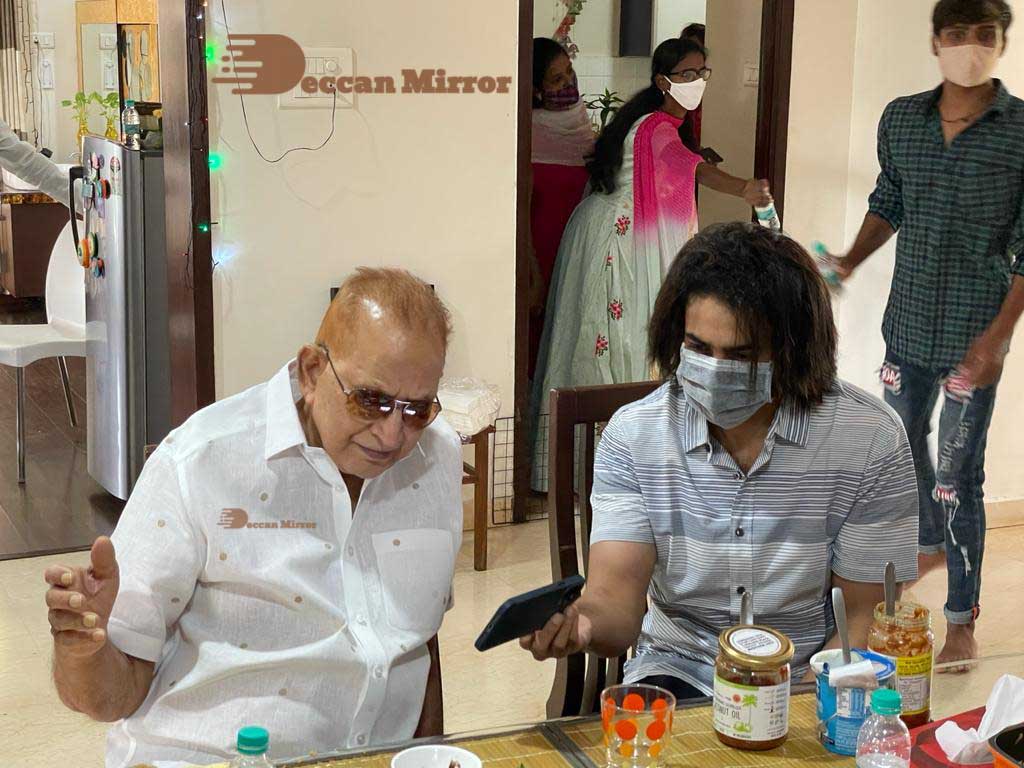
(264, 601)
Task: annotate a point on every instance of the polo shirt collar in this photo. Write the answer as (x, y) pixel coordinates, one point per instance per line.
(791, 425)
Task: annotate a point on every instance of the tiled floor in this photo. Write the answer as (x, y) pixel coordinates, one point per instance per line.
(502, 687)
(60, 507)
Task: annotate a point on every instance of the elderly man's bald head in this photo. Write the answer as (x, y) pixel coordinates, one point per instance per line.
(391, 299)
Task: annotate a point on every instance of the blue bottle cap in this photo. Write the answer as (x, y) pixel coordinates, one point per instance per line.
(886, 701)
(253, 740)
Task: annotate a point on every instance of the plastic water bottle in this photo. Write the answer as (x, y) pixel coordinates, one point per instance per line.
(884, 741)
(826, 265)
(131, 126)
(253, 743)
(767, 217)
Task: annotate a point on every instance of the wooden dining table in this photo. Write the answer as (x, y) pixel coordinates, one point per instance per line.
(578, 742)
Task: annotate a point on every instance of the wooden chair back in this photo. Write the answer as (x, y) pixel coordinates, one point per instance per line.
(579, 679)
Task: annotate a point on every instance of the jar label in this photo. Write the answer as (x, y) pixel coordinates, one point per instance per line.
(755, 642)
(914, 682)
(751, 713)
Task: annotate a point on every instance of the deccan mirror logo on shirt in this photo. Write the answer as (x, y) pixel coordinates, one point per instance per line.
(276, 64)
(234, 518)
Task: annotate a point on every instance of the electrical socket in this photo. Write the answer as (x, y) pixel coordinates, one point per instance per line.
(333, 62)
(43, 39)
(108, 41)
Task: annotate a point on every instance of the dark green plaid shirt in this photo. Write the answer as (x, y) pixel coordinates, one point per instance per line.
(959, 212)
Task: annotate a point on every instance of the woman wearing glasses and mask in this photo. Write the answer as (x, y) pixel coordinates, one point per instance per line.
(623, 237)
(286, 557)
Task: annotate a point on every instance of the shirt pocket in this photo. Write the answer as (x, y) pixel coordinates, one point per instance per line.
(416, 567)
(986, 194)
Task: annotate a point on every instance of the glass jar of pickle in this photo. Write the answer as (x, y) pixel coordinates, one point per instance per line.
(906, 638)
(752, 687)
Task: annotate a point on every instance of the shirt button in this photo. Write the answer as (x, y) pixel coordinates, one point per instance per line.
(737, 476)
(361, 620)
(739, 531)
(740, 590)
(378, 672)
(360, 739)
(415, 486)
(351, 551)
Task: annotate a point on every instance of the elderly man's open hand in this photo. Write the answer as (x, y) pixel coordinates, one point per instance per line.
(81, 599)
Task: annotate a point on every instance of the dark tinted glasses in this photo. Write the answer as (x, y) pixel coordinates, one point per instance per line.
(373, 405)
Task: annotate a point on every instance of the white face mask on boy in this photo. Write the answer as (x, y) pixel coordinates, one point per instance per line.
(968, 65)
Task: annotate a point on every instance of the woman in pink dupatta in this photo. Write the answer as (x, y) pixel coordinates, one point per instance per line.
(562, 140)
(623, 237)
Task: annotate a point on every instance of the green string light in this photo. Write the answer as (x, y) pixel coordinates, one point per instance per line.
(204, 227)
(214, 161)
(211, 52)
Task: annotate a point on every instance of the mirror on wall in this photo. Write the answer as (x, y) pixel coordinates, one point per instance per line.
(99, 58)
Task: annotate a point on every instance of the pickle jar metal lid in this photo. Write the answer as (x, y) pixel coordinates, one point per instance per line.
(755, 647)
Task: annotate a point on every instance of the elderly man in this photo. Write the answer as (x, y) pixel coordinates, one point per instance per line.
(286, 557)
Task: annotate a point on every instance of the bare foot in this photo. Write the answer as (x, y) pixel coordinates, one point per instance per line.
(960, 644)
(926, 563)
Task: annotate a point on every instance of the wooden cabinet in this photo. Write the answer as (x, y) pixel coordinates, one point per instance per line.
(29, 227)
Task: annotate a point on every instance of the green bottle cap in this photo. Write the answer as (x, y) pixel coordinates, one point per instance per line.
(253, 740)
(129, 103)
(886, 701)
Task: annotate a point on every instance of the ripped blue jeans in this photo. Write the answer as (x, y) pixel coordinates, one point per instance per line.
(952, 504)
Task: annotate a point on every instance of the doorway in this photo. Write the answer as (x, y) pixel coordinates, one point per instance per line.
(744, 120)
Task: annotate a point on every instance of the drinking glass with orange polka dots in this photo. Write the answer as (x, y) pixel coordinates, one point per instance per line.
(637, 724)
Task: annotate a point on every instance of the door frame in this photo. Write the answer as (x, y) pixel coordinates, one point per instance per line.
(182, 40)
(769, 163)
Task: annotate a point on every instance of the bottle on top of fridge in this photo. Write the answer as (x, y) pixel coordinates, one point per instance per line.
(768, 217)
(252, 744)
(884, 740)
(131, 126)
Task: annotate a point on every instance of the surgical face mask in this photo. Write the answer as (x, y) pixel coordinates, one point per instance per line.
(968, 65)
(563, 98)
(722, 390)
(688, 94)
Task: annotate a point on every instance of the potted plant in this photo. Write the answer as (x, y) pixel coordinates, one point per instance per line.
(608, 102)
(80, 106)
(109, 104)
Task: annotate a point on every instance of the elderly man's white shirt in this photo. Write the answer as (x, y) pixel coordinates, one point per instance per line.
(264, 601)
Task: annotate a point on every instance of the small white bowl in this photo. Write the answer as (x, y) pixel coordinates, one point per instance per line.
(435, 756)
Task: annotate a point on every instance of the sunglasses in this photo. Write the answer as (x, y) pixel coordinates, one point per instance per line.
(373, 405)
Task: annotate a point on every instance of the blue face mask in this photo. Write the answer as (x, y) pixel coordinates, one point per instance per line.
(722, 390)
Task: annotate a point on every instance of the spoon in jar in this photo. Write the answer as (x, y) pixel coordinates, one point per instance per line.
(839, 608)
(747, 608)
(890, 589)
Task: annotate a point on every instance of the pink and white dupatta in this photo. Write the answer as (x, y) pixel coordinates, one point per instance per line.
(664, 208)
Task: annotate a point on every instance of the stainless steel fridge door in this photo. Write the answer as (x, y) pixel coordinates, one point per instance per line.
(106, 305)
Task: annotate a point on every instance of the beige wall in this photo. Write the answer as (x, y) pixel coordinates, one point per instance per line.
(422, 181)
(730, 108)
(58, 127)
(891, 57)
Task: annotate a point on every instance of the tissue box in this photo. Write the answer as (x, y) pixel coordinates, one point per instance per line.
(469, 405)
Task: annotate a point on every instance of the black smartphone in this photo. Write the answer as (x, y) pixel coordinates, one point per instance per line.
(523, 614)
(710, 156)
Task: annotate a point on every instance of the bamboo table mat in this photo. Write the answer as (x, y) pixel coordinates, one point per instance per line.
(530, 747)
(694, 744)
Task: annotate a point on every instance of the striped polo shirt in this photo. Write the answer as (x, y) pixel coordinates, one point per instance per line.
(833, 491)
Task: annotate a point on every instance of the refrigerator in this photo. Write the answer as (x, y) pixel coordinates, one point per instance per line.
(123, 252)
